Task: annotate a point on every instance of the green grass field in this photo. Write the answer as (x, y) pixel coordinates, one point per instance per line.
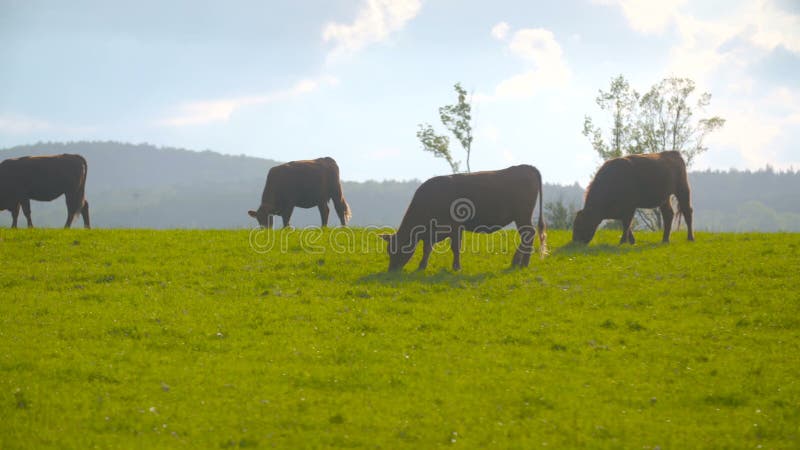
(191, 339)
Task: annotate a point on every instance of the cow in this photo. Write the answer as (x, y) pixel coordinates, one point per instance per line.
(44, 178)
(636, 181)
(303, 184)
(481, 202)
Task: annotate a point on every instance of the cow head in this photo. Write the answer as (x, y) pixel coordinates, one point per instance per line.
(262, 215)
(584, 227)
(399, 253)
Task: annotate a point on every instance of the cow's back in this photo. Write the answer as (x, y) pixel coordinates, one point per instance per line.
(491, 198)
(657, 176)
(635, 181)
(42, 178)
(299, 183)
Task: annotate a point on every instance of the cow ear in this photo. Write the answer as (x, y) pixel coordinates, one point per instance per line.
(251, 213)
(386, 237)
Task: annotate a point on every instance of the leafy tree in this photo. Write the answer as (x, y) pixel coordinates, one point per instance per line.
(436, 144)
(666, 119)
(622, 102)
(662, 119)
(458, 120)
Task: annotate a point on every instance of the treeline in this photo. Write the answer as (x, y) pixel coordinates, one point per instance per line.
(142, 186)
(762, 200)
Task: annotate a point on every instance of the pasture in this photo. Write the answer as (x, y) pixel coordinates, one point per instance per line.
(192, 339)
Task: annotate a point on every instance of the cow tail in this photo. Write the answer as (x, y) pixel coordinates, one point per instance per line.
(83, 179)
(82, 183)
(542, 228)
(341, 204)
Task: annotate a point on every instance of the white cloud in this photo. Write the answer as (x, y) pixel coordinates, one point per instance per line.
(208, 111)
(761, 23)
(375, 21)
(21, 125)
(647, 16)
(719, 54)
(540, 50)
(500, 31)
(769, 26)
(697, 55)
(751, 135)
(12, 124)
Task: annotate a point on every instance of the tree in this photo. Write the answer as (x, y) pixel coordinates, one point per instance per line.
(436, 144)
(458, 120)
(665, 122)
(558, 216)
(662, 119)
(621, 101)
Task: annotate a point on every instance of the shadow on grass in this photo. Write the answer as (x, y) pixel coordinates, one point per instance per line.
(443, 276)
(574, 249)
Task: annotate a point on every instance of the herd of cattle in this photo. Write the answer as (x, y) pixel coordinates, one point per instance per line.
(442, 207)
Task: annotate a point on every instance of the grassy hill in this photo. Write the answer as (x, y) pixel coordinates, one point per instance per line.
(290, 339)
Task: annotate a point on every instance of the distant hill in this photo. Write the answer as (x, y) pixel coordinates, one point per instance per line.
(114, 165)
(143, 186)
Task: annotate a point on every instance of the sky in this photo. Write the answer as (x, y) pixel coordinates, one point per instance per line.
(353, 79)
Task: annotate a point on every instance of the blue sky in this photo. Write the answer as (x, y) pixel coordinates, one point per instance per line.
(352, 79)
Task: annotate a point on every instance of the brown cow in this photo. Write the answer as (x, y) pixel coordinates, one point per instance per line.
(44, 178)
(482, 202)
(304, 184)
(636, 181)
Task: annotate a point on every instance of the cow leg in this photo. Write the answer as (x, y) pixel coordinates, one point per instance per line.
(324, 210)
(340, 205)
(26, 210)
(528, 250)
(85, 215)
(427, 248)
(627, 233)
(667, 214)
(270, 219)
(515, 261)
(73, 207)
(685, 208)
(14, 215)
(455, 247)
(688, 216)
(286, 216)
(522, 256)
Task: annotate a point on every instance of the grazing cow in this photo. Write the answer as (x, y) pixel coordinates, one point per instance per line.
(636, 181)
(44, 178)
(304, 184)
(482, 202)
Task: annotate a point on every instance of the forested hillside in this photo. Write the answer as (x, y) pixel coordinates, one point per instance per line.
(144, 186)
